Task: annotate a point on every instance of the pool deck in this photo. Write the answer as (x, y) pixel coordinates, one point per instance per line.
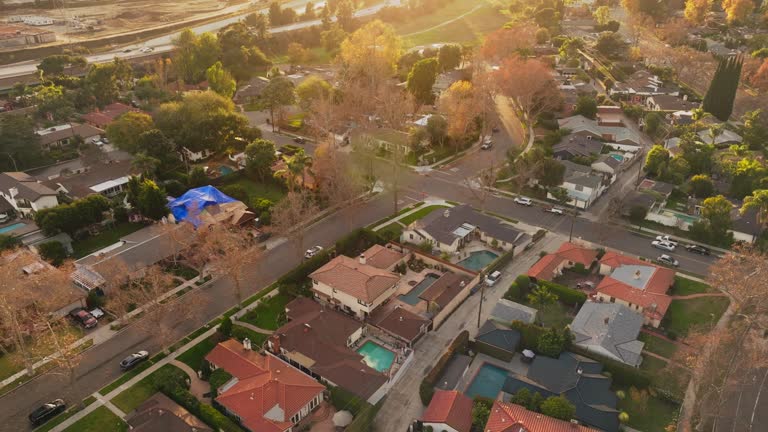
(515, 366)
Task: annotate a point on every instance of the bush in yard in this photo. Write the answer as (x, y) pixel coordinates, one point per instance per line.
(566, 295)
(514, 292)
(226, 327)
(552, 342)
(558, 407)
(94, 299)
(529, 334)
(54, 252)
(580, 269)
(218, 378)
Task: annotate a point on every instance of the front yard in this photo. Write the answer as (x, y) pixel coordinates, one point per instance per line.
(131, 398)
(684, 286)
(99, 420)
(684, 316)
(658, 345)
(421, 213)
(269, 314)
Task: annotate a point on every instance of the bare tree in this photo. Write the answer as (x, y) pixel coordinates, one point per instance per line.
(482, 185)
(291, 215)
(337, 181)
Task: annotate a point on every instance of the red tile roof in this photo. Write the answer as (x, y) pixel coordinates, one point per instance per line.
(654, 292)
(101, 118)
(268, 392)
(577, 254)
(507, 417)
(382, 257)
(545, 268)
(451, 408)
(361, 281)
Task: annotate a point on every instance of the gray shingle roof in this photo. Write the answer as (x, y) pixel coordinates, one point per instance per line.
(577, 145)
(579, 123)
(612, 327)
(442, 224)
(27, 187)
(498, 336)
(508, 311)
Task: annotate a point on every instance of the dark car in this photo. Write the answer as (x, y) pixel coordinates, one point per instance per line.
(47, 412)
(83, 317)
(701, 250)
(133, 359)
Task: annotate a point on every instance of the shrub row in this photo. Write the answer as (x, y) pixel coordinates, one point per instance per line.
(208, 414)
(566, 295)
(501, 262)
(358, 241)
(427, 388)
(344, 400)
(519, 288)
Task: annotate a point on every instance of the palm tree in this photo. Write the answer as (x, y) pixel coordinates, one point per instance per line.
(697, 115)
(542, 296)
(297, 164)
(757, 201)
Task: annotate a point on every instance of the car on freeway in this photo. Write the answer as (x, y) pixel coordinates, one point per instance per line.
(83, 317)
(663, 245)
(555, 210)
(667, 239)
(492, 278)
(523, 201)
(668, 260)
(312, 252)
(147, 49)
(47, 411)
(701, 250)
(127, 50)
(133, 359)
(487, 143)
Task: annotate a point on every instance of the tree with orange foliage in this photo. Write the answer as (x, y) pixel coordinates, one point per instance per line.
(759, 79)
(696, 10)
(529, 84)
(506, 42)
(737, 10)
(460, 106)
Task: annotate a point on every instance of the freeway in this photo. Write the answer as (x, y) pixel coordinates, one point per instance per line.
(163, 43)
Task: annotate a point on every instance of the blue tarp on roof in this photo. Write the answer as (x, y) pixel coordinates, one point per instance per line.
(188, 206)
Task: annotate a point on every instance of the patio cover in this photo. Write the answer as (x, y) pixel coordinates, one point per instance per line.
(188, 206)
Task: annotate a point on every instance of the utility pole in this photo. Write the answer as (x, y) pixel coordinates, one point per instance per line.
(482, 297)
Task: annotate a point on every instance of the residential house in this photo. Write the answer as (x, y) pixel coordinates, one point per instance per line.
(567, 256)
(610, 330)
(508, 417)
(160, 413)
(497, 339)
(450, 230)
(353, 286)
(251, 91)
(682, 118)
(101, 118)
(607, 164)
(401, 324)
(383, 257)
(61, 135)
(448, 411)
(608, 115)
(445, 80)
(577, 378)
(506, 311)
(656, 187)
(639, 285)
(581, 125)
(445, 294)
(745, 227)
(669, 104)
(583, 186)
(636, 199)
(641, 85)
(26, 195)
(194, 156)
(265, 394)
(318, 341)
(572, 146)
(725, 139)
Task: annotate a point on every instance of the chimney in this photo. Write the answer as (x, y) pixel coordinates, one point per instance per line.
(579, 371)
(685, 97)
(401, 319)
(606, 320)
(362, 259)
(637, 274)
(247, 344)
(446, 213)
(462, 284)
(274, 343)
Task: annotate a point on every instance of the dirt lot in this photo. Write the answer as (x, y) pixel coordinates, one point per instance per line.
(88, 18)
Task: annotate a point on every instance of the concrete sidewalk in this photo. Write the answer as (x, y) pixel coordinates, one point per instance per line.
(430, 201)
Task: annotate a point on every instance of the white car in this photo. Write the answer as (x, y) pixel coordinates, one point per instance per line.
(312, 252)
(487, 143)
(147, 50)
(523, 201)
(492, 278)
(555, 210)
(668, 260)
(663, 245)
(666, 239)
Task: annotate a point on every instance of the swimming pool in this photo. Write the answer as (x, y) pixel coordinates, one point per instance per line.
(376, 356)
(487, 382)
(478, 260)
(619, 158)
(12, 227)
(412, 298)
(224, 170)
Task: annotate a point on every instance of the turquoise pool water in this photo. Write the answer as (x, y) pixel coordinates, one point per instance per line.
(412, 297)
(224, 170)
(619, 158)
(376, 356)
(478, 260)
(11, 227)
(488, 382)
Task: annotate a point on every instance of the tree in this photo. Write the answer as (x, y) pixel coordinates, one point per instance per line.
(230, 253)
(145, 165)
(586, 106)
(151, 200)
(72, 217)
(558, 407)
(220, 80)
(333, 37)
(552, 342)
(240, 53)
(696, 10)
(421, 79)
(508, 42)
(715, 221)
(529, 84)
(312, 90)
(449, 57)
(480, 413)
(745, 177)
(125, 131)
(259, 158)
(753, 131)
(602, 15)
(437, 128)
(52, 100)
(337, 181)
(701, 186)
(657, 160)
(291, 214)
(54, 252)
(611, 45)
(737, 11)
(370, 54)
(542, 295)
(637, 215)
(197, 177)
(194, 54)
(546, 17)
(758, 202)
(722, 89)
(276, 95)
(550, 173)
(542, 36)
(345, 14)
(297, 54)
(461, 105)
(295, 168)
(55, 64)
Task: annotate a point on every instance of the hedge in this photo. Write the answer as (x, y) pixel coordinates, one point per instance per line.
(218, 378)
(529, 334)
(427, 387)
(358, 241)
(342, 399)
(364, 419)
(621, 373)
(519, 288)
(565, 295)
(208, 414)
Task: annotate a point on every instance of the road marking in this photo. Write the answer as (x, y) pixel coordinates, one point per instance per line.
(757, 399)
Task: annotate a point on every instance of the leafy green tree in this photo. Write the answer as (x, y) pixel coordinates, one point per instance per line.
(546, 17)
(550, 173)
(611, 45)
(197, 177)
(19, 140)
(542, 36)
(53, 251)
(276, 95)
(240, 53)
(746, 176)
(602, 15)
(522, 397)
(586, 106)
(753, 131)
(652, 122)
(758, 201)
(225, 328)
(194, 54)
(51, 99)
(311, 90)
(536, 400)
(72, 217)
(7, 242)
(542, 295)
(480, 414)
(701, 186)
(333, 37)
(155, 144)
(637, 215)
(55, 64)
(421, 79)
(220, 80)
(722, 89)
(103, 82)
(151, 200)
(558, 407)
(552, 342)
(259, 158)
(657, 160)
(437, 129)
(125, 131)
(345, 15)
(449, 57)
(145, 164)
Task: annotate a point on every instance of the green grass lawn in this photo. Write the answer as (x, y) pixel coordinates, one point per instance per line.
(240, 333)
(254, 189)
(8, 366)
(467, 29)
(556, 315)
(685, 286)
(658, 345)
(394, 229)
(684, 315)
(194, 356)
(419, 214)
(652, 365)
(269, 314)
(91, 244)
(654, 417)
(99, 420)
(131, 398)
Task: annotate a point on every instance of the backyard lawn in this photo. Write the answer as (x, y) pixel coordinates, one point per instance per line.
(658, 345)
(652, 365)
(254, 189)
(194, 356)
(684, 315)
(654, 415)
(419, 214)
(269, 314)
(131, 398)
(109, 237)
(685, 286)
(556, 315)
(99, 420)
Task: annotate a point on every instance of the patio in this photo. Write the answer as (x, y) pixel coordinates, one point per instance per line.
(579, 281)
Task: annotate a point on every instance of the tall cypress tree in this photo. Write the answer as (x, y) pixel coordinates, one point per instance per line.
(722, 90)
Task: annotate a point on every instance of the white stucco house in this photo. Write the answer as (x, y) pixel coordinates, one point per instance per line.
(25, 194)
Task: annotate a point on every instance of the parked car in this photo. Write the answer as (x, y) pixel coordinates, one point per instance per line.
(555, 210)
(523, 201)
(585, 285)
(663, 245)
(668, 260)
(47, 411)
(312, 252)
(487, 143)
(83, 317)
(133, 359)
(666, 239)
(701, 250)
(300, 140)
(492, 278)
